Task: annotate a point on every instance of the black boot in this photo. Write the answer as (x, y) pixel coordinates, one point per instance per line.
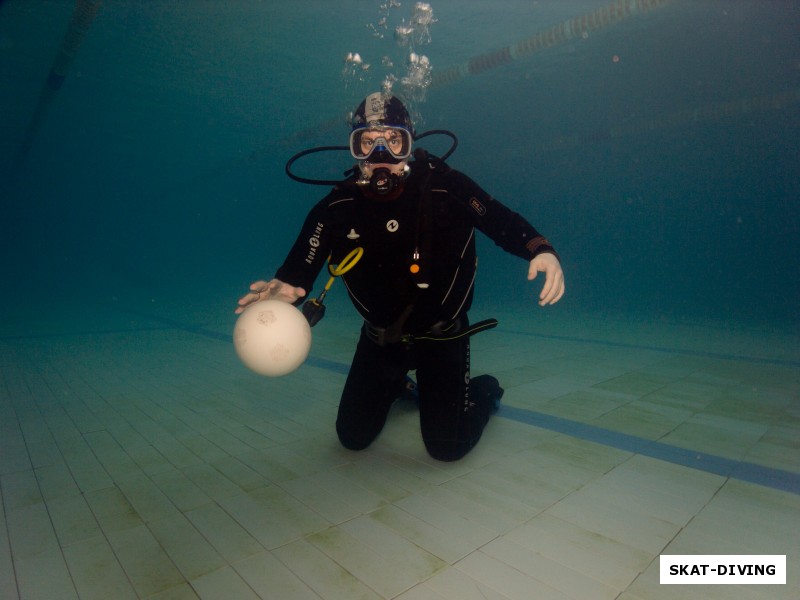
(485, 389)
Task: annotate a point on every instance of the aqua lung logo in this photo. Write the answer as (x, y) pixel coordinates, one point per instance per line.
(313, 243)
(392, 226)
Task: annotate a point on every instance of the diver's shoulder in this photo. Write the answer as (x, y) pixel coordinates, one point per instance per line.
(438, 169)
(332, 203)
(343, 193)
(444, 174)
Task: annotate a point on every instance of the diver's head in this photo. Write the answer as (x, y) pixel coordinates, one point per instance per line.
(381, 141)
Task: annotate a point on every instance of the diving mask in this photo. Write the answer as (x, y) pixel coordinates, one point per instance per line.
(381, 144)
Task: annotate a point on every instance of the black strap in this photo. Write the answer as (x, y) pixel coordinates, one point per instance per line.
(445, 333)
(459, 333)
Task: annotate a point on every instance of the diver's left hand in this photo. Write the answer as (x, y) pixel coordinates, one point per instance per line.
(554, 277)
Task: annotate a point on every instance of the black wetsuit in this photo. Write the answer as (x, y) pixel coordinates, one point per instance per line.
(431, 224)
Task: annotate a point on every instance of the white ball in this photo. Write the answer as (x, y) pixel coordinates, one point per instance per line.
(272, 338)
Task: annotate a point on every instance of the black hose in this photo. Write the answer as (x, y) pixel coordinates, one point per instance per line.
(303, 153)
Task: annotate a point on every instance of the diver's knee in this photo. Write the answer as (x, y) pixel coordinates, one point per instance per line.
(353, 441)
(448, 451)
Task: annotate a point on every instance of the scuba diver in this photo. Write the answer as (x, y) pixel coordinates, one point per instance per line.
(411, 226)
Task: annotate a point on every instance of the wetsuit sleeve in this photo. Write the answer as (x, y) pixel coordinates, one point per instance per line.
(508, 229)
(310, 250)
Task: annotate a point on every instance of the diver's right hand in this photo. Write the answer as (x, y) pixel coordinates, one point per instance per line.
(270, 290)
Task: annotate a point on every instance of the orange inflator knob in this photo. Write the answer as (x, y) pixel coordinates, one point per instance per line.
(414, 268)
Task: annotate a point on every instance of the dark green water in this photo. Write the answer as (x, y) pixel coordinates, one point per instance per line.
(659, 154)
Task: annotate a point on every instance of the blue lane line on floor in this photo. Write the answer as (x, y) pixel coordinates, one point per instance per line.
(719, 355)
(63, 334)
(773, 478)
(768, 477)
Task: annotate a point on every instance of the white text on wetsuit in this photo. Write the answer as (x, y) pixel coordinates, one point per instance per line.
(313, 243)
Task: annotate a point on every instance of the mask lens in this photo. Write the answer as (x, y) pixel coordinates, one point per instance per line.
(394, 140)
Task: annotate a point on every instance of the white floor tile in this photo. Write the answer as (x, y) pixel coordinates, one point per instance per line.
(96, 572)
(555, 575)
(43, 576)
(144, 561)
(272, 580)
(377, 556)
(223, 584)
(584, 551)
(453, 584)
(507, 580)
(322, 574)
(192, 554)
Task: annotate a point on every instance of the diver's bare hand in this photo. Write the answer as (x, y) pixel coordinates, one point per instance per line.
(270, 290)
(553, 289)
